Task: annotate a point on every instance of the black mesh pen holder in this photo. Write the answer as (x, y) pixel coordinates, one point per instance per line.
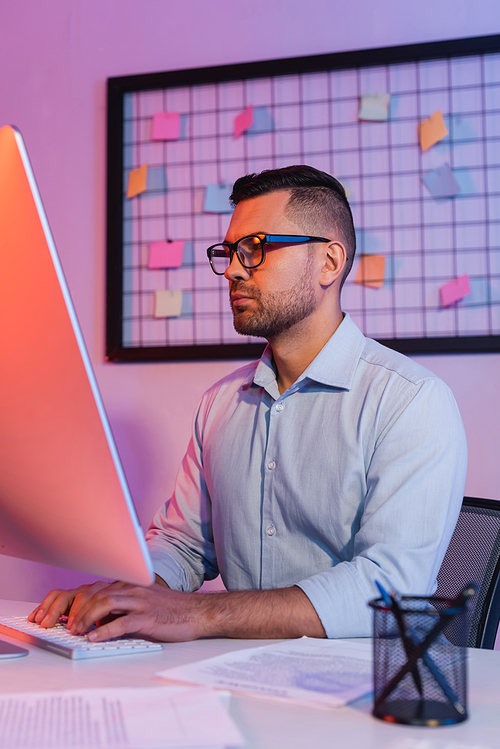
(420, 677)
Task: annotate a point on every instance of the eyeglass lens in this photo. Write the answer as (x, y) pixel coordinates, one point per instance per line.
(249, 251)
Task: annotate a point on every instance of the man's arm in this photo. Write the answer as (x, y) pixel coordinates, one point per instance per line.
(171, 616)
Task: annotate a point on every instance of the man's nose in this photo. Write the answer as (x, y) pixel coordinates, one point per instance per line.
(235, 270)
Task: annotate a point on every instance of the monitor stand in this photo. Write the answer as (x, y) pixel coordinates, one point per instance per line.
(7, 650)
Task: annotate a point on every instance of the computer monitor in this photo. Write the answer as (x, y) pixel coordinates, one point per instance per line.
(64, 499)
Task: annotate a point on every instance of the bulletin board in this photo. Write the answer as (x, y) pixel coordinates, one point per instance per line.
(431, 216)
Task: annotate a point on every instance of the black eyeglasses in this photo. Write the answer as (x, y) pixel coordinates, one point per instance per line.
(250, 250)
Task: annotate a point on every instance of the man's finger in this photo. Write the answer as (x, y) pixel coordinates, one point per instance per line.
(100, 606)
(123, 625)
(82, 600)
(39, 612)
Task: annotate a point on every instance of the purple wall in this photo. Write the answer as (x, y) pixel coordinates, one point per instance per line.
(55, 57)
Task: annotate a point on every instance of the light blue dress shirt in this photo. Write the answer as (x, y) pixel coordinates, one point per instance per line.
(356, 473)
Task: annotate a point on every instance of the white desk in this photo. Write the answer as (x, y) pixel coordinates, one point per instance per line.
(264, 723)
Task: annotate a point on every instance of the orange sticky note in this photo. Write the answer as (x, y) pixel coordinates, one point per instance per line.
(165, 254)
(371, 271)
(454, 290)
(243, 121)
(166, 126)
(432, 130)
(137, 181)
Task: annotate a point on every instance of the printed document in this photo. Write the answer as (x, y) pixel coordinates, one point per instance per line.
(123, 718)
(313, 671)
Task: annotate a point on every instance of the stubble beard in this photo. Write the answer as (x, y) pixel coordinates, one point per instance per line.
(275, 312)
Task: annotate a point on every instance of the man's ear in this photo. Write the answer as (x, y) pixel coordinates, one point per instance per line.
(334, 264)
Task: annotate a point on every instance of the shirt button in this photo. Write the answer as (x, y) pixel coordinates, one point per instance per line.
(271, 530)
(279, 407)
(271, 465)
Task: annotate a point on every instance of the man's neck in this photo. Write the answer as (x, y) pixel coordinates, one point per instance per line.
(294, 350)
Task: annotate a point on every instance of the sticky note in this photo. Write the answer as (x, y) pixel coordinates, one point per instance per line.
(262, 121)
(371, 271)
(374, 107)
(454, 290)
(168, 303)
(243, 121)
(137, 181)
(461, 128)
(432, 130)
(441, 182)
(166, 126)
(165, 254)
(217, 199)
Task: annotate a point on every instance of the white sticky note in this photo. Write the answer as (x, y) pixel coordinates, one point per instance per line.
(374, 107)
(168, 303)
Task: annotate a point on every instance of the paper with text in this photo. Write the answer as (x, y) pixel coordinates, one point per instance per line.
(316, 672)
(121, 718)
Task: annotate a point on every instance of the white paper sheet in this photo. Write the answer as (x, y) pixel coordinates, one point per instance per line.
(320, 672)
(115, 719)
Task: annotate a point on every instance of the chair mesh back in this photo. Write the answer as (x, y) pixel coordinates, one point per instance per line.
(472, 556)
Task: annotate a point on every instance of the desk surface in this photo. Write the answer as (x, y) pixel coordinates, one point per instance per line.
(265, 723)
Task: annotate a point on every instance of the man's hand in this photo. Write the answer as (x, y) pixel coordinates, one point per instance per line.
(170, 616)
(61, 603)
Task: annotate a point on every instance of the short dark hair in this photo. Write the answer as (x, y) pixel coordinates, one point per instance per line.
(317, 199)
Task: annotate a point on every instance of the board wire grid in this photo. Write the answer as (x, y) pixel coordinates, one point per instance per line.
(306, 112)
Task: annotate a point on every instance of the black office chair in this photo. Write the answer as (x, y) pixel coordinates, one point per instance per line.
(474, 556)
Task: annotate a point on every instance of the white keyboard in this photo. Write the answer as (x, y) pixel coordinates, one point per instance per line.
(77, 647)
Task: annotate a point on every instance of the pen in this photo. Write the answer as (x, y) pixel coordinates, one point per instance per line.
(390, 600)
(419, 650)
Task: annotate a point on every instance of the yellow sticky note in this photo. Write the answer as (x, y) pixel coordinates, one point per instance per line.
(137, 181)
(371, 271)
(432, 130)
(168, 303)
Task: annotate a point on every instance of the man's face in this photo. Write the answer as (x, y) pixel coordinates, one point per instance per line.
(281, 292)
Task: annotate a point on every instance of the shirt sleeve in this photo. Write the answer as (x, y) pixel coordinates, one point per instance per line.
(415, 482)
(180, 538)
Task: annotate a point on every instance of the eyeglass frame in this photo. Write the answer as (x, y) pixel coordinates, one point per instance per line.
(263, 240)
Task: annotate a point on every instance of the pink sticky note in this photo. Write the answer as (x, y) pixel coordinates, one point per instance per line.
(454, 290)
(165, 254)
(166, 126)
(243, 121)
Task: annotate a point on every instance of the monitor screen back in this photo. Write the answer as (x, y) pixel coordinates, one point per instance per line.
(64, 500)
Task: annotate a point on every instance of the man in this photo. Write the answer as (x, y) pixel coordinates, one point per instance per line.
(329, 464)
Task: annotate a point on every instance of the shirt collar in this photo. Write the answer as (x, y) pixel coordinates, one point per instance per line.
(335, 364)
